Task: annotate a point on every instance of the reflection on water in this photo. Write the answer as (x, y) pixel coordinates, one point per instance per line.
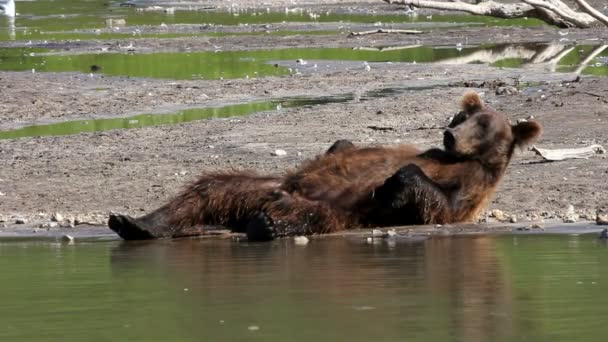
(507, 288)
(258, 63)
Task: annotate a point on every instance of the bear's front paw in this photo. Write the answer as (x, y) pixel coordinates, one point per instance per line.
(260, 228)
(397, 189)
(409, 173)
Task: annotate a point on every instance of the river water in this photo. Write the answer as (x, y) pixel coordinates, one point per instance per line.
(501, 288)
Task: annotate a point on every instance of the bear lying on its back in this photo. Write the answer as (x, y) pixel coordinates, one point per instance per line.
(351, 187)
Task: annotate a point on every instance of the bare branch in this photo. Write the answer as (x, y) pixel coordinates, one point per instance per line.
(517, 10)
(554, 12)
(364, 33)
(582, 20)
(593, 12)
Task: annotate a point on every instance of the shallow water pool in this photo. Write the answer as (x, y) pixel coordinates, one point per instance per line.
(507, 288)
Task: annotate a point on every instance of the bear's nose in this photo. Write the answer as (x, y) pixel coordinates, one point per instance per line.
(448, 140)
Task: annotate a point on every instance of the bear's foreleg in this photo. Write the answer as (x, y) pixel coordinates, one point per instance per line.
(291, 215)
(410, 197)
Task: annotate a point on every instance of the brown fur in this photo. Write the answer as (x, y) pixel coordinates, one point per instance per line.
(351, 187)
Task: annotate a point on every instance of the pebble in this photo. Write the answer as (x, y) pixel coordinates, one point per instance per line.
(57, 217)
(301, 240)
(279, 153)
(601, 218)
(67, 238)
(498, 215)
(377, 233)
(506, 90)
(570, 216)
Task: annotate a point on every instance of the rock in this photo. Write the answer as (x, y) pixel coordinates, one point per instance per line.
(57, 217)
(537, 225)
(513, 219)
(506, 90)
(498, 215)
(20, 221)
(301, 240)
(67, 238)
(116, 23)
(601, 217)
(253, 328)
(570, 216)
(604, 234)
(279, 153)
(377, 233)
(391, 233)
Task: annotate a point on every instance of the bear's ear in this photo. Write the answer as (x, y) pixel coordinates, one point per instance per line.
(471, 102)
(526, 132)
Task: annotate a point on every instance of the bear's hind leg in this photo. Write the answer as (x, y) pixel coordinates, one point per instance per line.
(227, 199)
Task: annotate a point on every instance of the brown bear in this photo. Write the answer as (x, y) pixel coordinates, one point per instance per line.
(351, 187)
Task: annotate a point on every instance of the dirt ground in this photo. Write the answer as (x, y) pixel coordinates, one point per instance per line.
(84, 177)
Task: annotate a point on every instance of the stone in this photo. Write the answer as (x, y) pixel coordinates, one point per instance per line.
(57, 217)
(67, 238)
(20, 221)
(301, 240)
(601, 217)
(570, 216)
(498, 215)
(506, 90)
(279, 153)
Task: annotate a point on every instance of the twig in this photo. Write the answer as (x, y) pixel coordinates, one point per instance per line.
(365, 33)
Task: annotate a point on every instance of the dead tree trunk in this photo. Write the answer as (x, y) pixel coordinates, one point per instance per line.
(554, 12)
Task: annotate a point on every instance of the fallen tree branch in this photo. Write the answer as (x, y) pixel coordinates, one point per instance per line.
(593, 12)
(582, 20)
(365, 33)
(569, 153)
(553, 12)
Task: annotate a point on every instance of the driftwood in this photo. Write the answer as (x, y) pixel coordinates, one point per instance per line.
(388, 48)
(593, 12)
(365, 33)
(554, 12)
(569, 153)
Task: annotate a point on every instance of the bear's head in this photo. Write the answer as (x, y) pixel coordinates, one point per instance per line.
(481, 133)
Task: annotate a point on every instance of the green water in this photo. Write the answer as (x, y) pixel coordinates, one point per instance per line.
(182, 116)
(67, 19)
(144, 120)
(258, 63)
(534, 288)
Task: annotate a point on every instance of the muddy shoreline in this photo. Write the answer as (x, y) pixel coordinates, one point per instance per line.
(84, 177)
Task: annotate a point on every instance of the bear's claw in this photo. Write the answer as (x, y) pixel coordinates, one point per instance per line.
(261, 228)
